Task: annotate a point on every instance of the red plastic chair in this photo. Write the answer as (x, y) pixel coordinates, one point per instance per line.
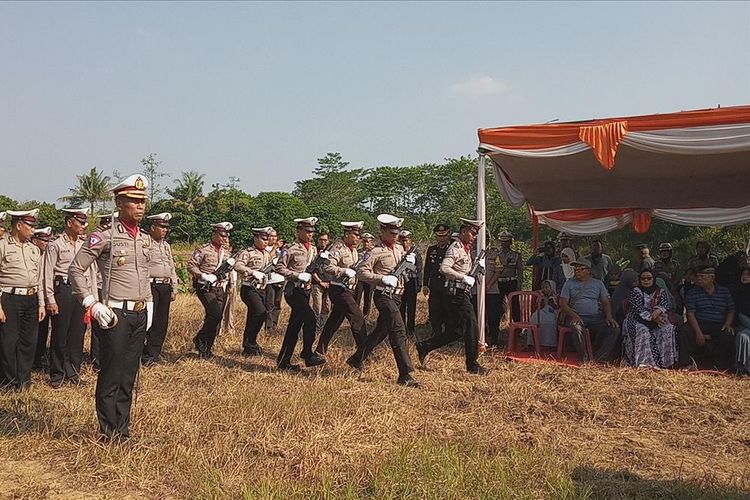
(529, 303)
(563, 331)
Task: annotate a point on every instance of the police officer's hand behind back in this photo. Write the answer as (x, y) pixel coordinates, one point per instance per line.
(53, 310)
(41, 314)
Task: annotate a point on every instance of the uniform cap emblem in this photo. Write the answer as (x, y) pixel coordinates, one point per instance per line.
(139, 184)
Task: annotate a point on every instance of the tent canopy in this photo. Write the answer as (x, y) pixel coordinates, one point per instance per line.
(592, 176)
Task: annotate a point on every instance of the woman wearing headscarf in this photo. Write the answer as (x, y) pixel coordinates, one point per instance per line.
(546, 315)
(628, 280)
(648, 336)
(564, 271)
(742, 339)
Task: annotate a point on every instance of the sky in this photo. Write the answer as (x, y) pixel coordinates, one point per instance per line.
(259, 91)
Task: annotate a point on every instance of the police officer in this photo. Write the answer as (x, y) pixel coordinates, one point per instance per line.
(340, 270)
(455, 267)
(292, 265)
(41, 239)
(21, 299)
(434, 282)
(163, 278)
(251, 263)
(104, 224)
(274, 291)
(363, 291)
(667, 265)
(68, 328)
(376, 270)
(3, 216)
(211, 291)
(122, 253)
(412, 285)
(508, 274)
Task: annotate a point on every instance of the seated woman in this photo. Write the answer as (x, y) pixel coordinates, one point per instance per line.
(546, 316)
(742, 339)
(648, 335)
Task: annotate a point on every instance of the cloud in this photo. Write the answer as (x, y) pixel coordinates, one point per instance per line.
(481, 85)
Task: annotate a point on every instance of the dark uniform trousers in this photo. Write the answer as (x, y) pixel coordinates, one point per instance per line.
(437, 305)
(120, 349)
(273, 305)
(408, 306)
(162, 296)
(465, 324)
(344, 306)
(363, 292)
(719, 350)
(213, 303)
(68, 330)
(94, 340)
(301, 317)
(18, 336)
(494, 311)
(41, 343)
(505, 288)
(256, 314)
(389, 325)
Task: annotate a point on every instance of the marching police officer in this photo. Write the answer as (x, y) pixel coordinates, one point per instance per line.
(376, 270)
(455, 267)
(293, 265)
(163, 278)
(122, 254)
(68, 328)
(434, 282)
(363, 291)
(274, 291)
(21, 299)
(41, 239)
(341, 271)
(211, 291)
(252, 263)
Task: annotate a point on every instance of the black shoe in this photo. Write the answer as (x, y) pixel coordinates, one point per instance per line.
(479, 370)
(56, 384)
(408, 381)
(422, 353)
(354, 363)
(314, 360)
(253, 350)
(146, 362)
(288, 367)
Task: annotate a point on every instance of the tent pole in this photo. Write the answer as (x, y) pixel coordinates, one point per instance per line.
(481, 244)
(535, 225)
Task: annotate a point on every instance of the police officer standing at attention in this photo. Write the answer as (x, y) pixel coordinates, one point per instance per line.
(21, 299)
(340, 272)
(164, 283)
(376, 270)
(210, 290)
(68, 328)
(122, 254)
(105, 222)
(434, 282)
(41, 239)
(455, 267)
(253, 291)
(508, 267)
(292, 265)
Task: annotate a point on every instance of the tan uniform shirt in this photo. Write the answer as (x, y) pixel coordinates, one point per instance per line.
(494, 264)
(60, 254)
(206, 259)
(457, 262)
(252, 259)
(295, 260)
(341, 257)
(161, 263)
(383, 260)
(123, 264)
(21, 265)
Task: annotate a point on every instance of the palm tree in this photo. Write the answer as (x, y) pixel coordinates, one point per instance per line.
(92, 187)
(189, 190)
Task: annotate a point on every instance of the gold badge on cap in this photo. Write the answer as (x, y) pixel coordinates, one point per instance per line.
(139, 184)
(121, 261)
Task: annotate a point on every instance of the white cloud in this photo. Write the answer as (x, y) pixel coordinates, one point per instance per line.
(481, 85)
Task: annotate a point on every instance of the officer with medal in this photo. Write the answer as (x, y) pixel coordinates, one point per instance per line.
(455, 267)
(376, 270)
(251, 263)
(434, 282)
(68, 327)
(163, 278)
(41, 239)
(21, 299)
(292, 265)
(122, 253)
(211, 291)
(340, 271)
(507, 272)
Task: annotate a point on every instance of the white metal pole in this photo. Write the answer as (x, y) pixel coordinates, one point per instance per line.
(481, 243)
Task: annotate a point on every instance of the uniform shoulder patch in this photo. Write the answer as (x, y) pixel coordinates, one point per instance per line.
(196, 253)
(94, 239)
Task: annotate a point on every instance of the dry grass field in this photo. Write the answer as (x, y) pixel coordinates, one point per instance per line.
(232, 427)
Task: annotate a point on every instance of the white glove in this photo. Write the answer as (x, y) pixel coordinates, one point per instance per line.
(350, 273)
(102, 314)
(469, 280)
(209, 278)
(390, 281)
(230, 262)
(304, 277)
(482, 263)
(411, 258)
(259, 276)
(324, 254)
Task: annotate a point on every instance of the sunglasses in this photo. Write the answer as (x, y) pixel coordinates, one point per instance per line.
(647, 278)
